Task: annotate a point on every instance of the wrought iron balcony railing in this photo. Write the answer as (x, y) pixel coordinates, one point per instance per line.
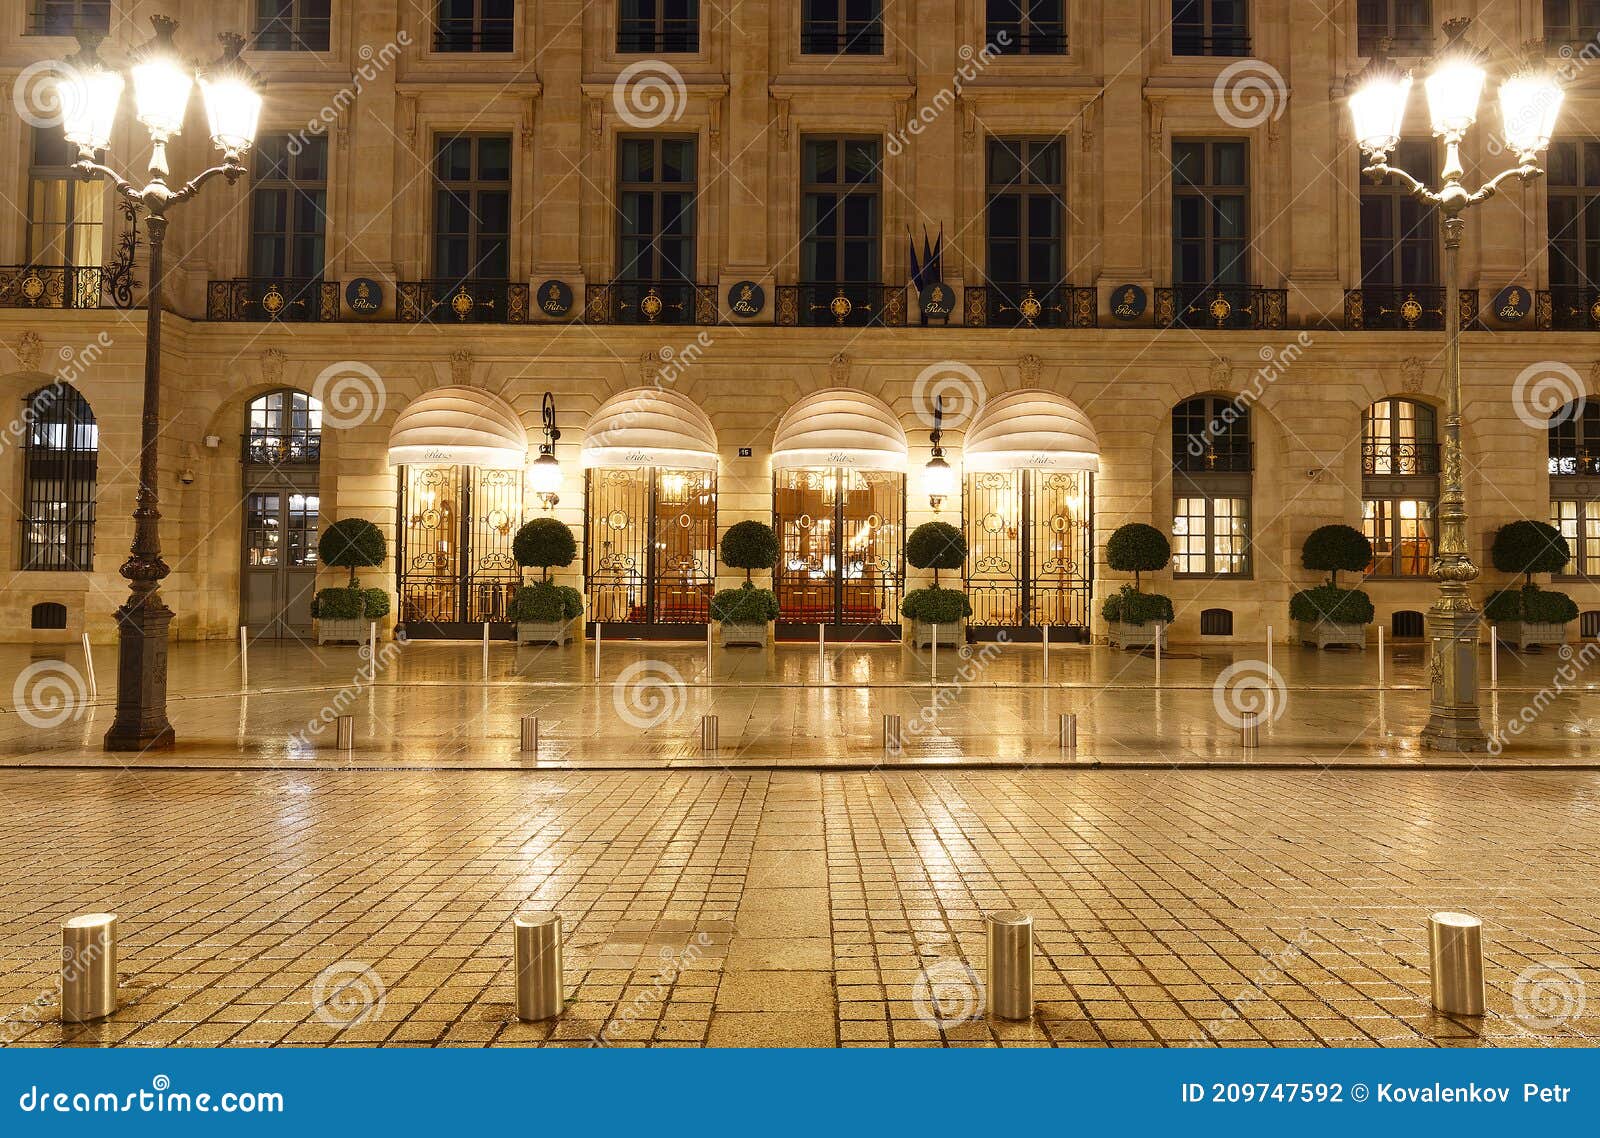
(269, 448)
(278, 34)
(294, 300)
(460, 36)
(666, 37)
(1405, 40)
(461, 302)
(36, 286)
(1400, 460)
(68, 17)
(842, 305)
(1030, 306)
(827, 37)
(1567, 308)
(1217, 456)
(1408, 309)
(1221, 306)
(1038, 39)
(650, 302)
(1575, 464)
(1189, 40)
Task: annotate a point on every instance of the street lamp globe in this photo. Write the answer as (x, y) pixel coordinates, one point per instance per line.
(89, 95)
(1455, 84)
(232, 98)
(161, 83)
(1378, 106)
(1530, 102)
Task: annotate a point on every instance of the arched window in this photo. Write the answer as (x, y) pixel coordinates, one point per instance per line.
(1212, 460)
(283, 428)
(1575, 482)
(1399, 486)
(59, 467)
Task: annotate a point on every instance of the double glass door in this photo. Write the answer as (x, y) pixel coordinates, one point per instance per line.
(456, 568)
(842, 542)
(650, 556)
(280, 558)
(1030, 544)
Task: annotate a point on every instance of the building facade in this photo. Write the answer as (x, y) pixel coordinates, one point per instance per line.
(756, 254)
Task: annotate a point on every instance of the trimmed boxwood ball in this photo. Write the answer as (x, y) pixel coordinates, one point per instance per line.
(1530, 604)
(350, 603)
(936, 606)
(1129, 606)
(1330, 549)
(749, 545)
(352, 543)
(1331, 604)
(1529, 547)
(543, 603)
(745, 605)
(1137, 548)
(936, 546)
(542, 543)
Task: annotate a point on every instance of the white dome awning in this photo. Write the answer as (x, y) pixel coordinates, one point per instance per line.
(650, 427)
(1029, 429)
(840, 427)
(459, 426)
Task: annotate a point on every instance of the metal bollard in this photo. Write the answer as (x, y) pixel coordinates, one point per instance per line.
(1010, 968)
(1249, 730)
(345, 737)
(530, 734)
(708, 734)
(893, 742)
(1455, 943)
(540, 993)
(1069, 730)
(88, 967)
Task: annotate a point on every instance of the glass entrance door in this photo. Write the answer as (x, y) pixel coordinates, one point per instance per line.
(650, 556)
(1031, 549)
(456, 569)
(842, 537)
(280, 561)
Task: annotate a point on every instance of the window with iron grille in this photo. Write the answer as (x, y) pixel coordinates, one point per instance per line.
(658, 26)
(1210, 27)
(1210, 213)
(60, 461)
(474, 25)
(1211, 435)
(1400, 232)
(1026, 212)
(1211, 487)
(1400, 486)
(1029, 27)
(1571, 22)
(1589, 625)
(1408, 624)
(66, 215)
(292, 25)
(472, 208)
(288, 208)
(283, 428)
(1399, 439)
(841, 27)
(841, 211)
(68, 17)
(1406, 24)
(1216, 622)
(49, 614)
(655, 209)
(1573, 187)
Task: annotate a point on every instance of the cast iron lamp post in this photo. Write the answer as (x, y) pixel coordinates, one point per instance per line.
(90, 94)
(1529, 102)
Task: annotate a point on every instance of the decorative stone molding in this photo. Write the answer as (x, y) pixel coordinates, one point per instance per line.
(715, 108)
(596, 111)
(1594, 376)
(839, 370)
(650, 368)
(1221, 373)
(28, 349)
(461, 367)
(1030, 366)
(1411, 375)
(1091, 113)
(272, 364)
(1155, 123)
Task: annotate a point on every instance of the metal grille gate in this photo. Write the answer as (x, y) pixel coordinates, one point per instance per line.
(650, 556)
(842, 535)
(456, 526)
(1031, 541)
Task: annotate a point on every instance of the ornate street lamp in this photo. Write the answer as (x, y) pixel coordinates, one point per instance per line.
(1529, 102)
(90, 94)
(938, 477)
(545, 473)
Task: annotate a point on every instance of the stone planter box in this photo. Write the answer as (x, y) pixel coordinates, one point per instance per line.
(548, 631)
(952, 635)
(1120, 634)
(1323, 633)
(354, 630)
(1521, 633)
(736, 635)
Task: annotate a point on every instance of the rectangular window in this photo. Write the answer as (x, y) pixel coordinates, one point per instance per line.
(1400, 233)
(66, 214)
(292, 25)
(841, 211)
(1401, 532)
(1210, 536)
(1026, 213)
(1026, 27)
(474, 25)
(1406, 24)
(472, 208)
(1573, 186)
(658, 26)
(655, 209)
(1571, 22)
(841, 27)
(288, 208)
(1579, 523)
(1210, 27)
(68, 17)
(1210, 213)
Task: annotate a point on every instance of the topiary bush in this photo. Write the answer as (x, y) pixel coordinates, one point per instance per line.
(935, 605)
(1332, 549)
(1331, 604)
(542, 543)
(544, 603)
(352, 543)
(1529, 547)
(1137, 548)
(745, 605)
(1129, 606)
(936, 546)
(345, 603)
(749, 545)
(1530, 604)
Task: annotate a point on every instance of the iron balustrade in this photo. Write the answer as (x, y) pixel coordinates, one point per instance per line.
(279, 34)
(1406, 308)
(650, 302)
(1568, 463)
(33, 286)
(1219, 455)
(287, 299)
(1403, 459)
(68, 17)
(649, 36)
(461, 302)
(53, 545)
(1221, 306)
(841, 305)
(1233, 42)
(1042, 39)
(1567, 308)
(274, 448)
(1031, 306)
(854, 37)
(460, 36)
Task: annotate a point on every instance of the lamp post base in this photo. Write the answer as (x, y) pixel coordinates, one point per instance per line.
(141, 723)
(1453, 723)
